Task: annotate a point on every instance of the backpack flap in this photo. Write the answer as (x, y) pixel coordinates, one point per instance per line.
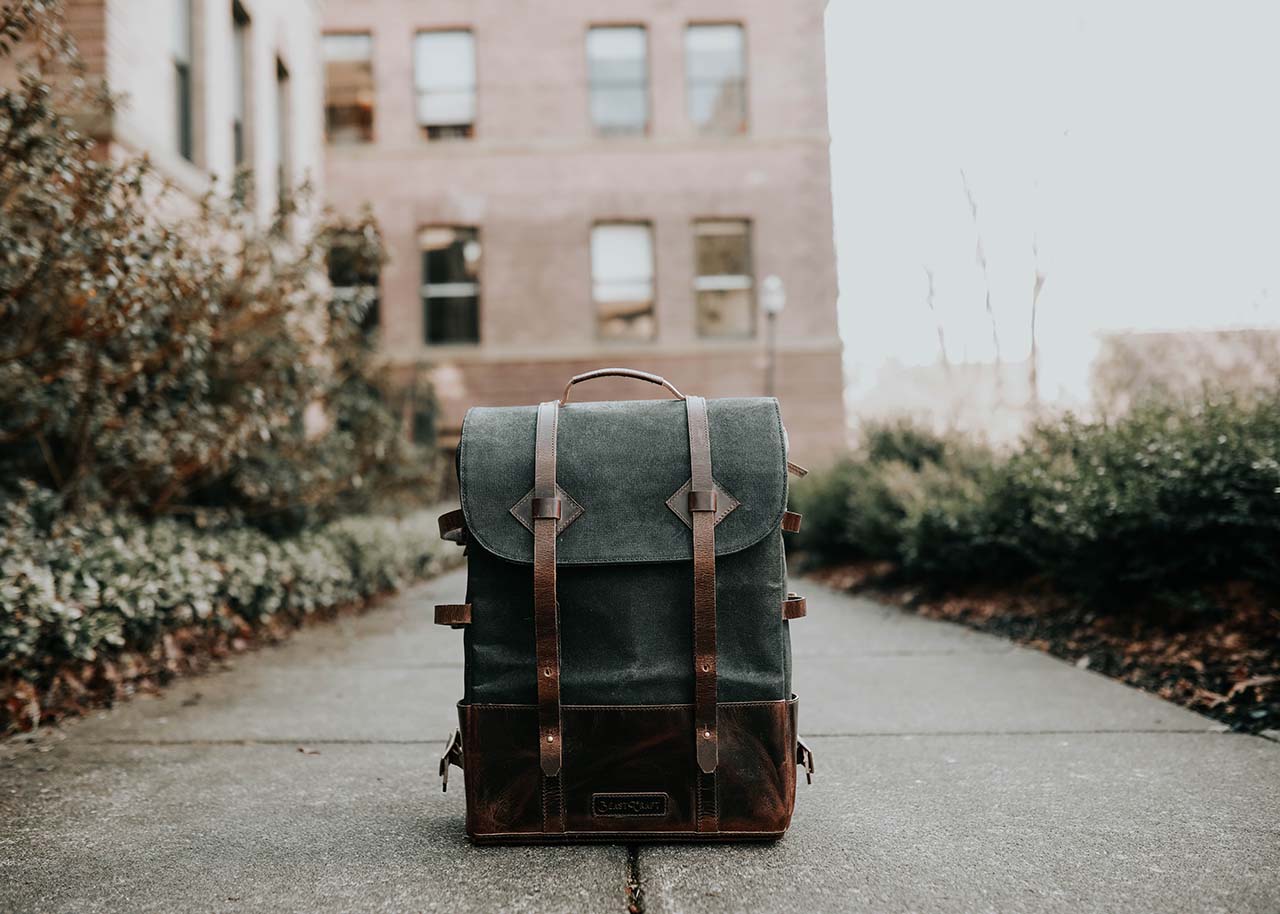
(621, 469)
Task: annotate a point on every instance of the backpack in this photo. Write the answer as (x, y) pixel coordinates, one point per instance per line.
(626, 624)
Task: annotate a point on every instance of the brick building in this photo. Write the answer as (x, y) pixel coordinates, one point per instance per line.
(210, 87)
(571, 185)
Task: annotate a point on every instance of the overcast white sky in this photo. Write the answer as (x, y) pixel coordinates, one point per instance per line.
(1136, 141)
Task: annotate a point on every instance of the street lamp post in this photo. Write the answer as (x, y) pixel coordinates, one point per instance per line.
(773, 298)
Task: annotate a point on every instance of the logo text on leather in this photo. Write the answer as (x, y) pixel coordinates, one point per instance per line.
(621, 805)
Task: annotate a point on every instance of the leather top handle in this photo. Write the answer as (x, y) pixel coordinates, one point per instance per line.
(619, 373)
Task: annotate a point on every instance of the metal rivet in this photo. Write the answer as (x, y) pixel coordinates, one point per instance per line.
(706, 668)
(706, 734)
(551, 739)
(547, 672)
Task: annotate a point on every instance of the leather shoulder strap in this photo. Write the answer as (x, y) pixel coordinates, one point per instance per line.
(546, 518)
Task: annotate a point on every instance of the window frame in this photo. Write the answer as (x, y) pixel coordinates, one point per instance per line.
(284, 111)
(596, 129)
(424, 287)
(182, 56)
(242, 87)
(472, 128)
(373, 114)
(751, 285)
(372, 319)
(700, 129)
(653, 279)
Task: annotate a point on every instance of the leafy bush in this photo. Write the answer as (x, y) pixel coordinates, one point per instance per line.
(1155, 504)
(83, 589)
(175, 366)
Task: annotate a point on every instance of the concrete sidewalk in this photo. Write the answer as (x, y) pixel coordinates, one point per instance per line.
(956, 773)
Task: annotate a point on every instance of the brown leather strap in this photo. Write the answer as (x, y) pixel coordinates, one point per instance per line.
(702, 504)
(453, 527)
(546, 516)
(794, 607)
(455, 615)
(796, 470)
(791, 521)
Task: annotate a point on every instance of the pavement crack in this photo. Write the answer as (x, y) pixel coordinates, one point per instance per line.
(635, 893)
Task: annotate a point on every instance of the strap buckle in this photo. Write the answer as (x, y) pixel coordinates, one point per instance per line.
(452, 756)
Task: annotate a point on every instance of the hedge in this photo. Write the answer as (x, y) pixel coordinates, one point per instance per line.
(79, 592)
(1154, 505)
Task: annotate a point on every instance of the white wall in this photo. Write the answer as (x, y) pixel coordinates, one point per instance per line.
(140, 66)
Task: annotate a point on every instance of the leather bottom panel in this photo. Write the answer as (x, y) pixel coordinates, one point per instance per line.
(629, 772)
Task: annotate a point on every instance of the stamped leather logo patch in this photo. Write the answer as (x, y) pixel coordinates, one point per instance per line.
(625, 805)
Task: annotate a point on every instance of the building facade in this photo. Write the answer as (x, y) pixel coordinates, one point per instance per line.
(210, 88)
(574, 185)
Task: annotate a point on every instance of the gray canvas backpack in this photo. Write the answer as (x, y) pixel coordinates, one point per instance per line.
(628, 659)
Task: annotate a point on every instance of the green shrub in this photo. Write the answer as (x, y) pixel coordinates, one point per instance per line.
(83, 587)
(1166, 498)
(1155, 504)
(194, 363)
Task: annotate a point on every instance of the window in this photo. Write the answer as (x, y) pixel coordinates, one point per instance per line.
(240, 55)
(618, 72)
(451, 284)
(716, 75)
(622, 280)
(184, 138)
(284, 139)
(444, 81)
(724, 285)
(354, 277)
(348, 88)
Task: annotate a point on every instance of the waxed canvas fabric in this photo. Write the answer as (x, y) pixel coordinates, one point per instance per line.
(625, 579)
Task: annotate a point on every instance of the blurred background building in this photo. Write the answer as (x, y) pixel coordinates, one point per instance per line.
(210, 87)
(571, 185)
(561, 187)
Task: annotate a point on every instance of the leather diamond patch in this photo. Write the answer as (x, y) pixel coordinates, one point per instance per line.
(570, 510)
(679, 503)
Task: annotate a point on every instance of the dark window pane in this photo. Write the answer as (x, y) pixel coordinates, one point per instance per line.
(453, 320)
(354, 278)
(186, 141)
(451, 284)
(182, 85)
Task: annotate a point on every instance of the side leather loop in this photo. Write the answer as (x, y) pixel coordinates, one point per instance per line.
(791, 521)
(454, 615)
(794, 607)
(452, 756)
(804, 758)
(453, 527)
